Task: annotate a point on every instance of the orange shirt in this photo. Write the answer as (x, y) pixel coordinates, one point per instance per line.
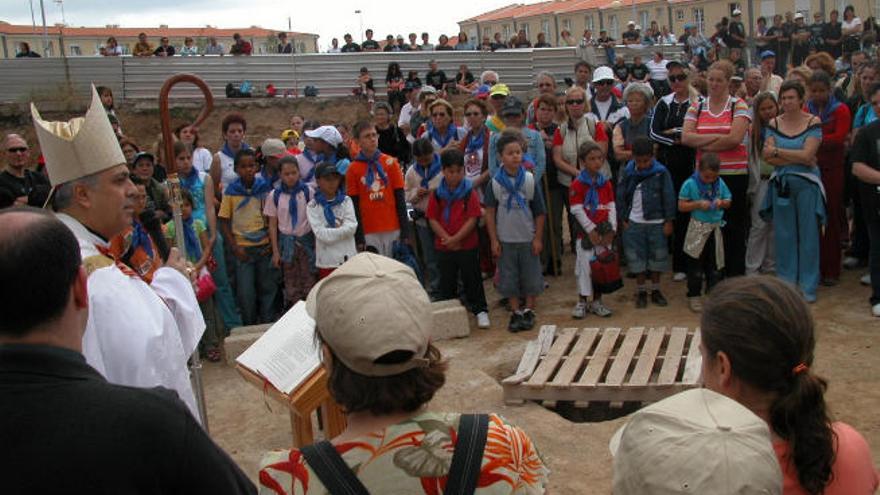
(376, 202)
(853, 469)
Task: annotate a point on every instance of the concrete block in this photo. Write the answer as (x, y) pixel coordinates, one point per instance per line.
(450, 320)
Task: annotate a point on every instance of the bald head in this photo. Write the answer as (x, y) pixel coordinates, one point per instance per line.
(33, 295)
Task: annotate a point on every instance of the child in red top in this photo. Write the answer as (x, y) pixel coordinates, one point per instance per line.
(592, 203)
(453, 213)
(374, 181)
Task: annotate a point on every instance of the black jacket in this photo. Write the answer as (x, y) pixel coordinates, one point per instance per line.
(65, 429)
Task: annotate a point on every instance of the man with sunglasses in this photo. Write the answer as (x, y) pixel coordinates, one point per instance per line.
(666, 124)
(20, 186)
(604, 105)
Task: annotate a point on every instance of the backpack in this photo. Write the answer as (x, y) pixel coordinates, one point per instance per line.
(528, 188)
(310, 91)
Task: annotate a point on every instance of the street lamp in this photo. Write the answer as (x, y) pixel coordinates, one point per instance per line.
(360, 22)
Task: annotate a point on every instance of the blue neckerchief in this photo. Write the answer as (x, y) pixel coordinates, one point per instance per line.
(228, 152)
(140, 237)
(475, 140)
(709, 192)
(442, 141)
(428, 173)
(191, 240)
(450, 196)
(329, 204)
(591, 199)
(513, 188)
(191, 181)
(300, 186)
(259, 188)
(270, 180)
(373, 168)
(315, 159)
(826, 113)
(639, 175)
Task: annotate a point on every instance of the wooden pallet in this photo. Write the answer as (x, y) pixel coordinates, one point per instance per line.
(606, 365)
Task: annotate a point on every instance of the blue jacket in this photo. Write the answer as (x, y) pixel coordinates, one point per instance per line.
(658, 196)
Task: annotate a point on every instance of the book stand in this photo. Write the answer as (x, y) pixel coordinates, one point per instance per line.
(310, 395)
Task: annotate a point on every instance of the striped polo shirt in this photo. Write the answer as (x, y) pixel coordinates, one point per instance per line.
(734, 161)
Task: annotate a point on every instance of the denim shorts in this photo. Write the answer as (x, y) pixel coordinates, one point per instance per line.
(646, 247)
(519, 271)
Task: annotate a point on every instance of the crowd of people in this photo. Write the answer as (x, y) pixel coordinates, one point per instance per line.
(700, 168)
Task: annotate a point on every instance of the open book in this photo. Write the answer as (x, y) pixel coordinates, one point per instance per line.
(286, 355)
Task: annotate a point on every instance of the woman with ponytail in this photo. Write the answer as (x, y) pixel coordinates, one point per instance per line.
(758, 342)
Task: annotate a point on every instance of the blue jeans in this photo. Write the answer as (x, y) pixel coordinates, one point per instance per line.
(796, 231)
(645, 247)
(224, 298)
(257, 286)
(429, 259)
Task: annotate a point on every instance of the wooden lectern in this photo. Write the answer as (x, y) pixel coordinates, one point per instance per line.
(311, 394)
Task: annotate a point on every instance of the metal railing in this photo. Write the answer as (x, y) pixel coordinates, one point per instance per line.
(23, 80)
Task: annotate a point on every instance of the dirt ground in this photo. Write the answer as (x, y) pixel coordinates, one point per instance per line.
(577, 453)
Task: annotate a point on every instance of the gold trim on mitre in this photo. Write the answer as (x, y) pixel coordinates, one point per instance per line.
(79, 147)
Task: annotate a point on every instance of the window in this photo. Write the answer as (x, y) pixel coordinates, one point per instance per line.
(505, 32)
(525, 27)
(768, 10)
(545, 27)
(733, 6)
(876, 9)
(263, 48)
(679, 15)
(472, 35)
(566, 25)
(803, 6)
(301, 47)
(613, 27)
(699, 19)
(588, 22)
(643, 20)
(75, 51)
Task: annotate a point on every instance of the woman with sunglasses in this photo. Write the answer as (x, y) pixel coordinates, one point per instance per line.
(666, 125)
(719, 124)
(441, 129)
(546, 85)
(578, 129)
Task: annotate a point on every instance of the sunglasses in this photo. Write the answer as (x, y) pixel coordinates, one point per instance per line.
(680, 77)
(490, 83)
(604, 82)
(473, 114)
(498, 97)
(439, 114)
(17, 150)
(575, 102)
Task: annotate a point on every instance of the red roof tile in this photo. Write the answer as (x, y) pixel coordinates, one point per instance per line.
(134, 31)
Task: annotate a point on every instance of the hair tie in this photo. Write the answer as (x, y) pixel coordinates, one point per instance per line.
(800, 368)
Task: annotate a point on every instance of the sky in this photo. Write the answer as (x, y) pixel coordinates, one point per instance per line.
(331, 19)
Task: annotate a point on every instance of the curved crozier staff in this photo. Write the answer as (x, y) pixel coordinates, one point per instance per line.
(177, 201)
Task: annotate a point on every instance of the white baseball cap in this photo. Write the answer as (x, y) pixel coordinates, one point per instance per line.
(737, 12)
(370, 307)
(326, 133)
(603, 73)
(799, 16)
(697, 441)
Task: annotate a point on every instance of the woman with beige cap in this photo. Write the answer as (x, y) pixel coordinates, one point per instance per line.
(373, 321)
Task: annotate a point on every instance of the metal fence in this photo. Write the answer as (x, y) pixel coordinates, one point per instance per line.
(22, 80)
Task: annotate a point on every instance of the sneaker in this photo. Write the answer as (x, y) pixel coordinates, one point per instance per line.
(483, 320)
(528, 319)
(679, 277)
(851, 262)
(579, 311)
(599, 309)
(642, 300)
(695, 304)
(515, 323)
(866, 279)
(876, 310)
(658, 299)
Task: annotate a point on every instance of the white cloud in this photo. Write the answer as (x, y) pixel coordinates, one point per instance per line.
(328, 19)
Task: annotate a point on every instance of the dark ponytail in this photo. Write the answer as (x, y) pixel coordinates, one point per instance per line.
(767, 332)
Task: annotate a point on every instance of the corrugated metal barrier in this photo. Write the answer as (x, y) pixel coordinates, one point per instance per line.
(23, 80)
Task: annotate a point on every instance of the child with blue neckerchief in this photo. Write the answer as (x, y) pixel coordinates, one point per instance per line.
(422, 178)
(515, 215)
(333, 221)
(705, 196)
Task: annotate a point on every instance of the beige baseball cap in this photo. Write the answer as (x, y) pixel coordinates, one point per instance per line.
(369, 307)
(696, 441)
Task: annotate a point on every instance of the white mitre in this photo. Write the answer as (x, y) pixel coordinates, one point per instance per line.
(79, 147)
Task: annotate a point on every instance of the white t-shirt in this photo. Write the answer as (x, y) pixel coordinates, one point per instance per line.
(658, 69)
(636, 214)
(851, 24)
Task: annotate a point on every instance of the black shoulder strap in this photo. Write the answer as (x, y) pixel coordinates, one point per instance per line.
(332, 470)
(467, 458)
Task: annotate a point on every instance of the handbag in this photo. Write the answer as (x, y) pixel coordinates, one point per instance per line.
(205, 285)
(605, 270)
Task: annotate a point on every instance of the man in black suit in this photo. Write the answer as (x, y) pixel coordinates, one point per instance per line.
(63, 427)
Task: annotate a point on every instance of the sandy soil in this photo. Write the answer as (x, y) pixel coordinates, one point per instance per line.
(244, 424)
